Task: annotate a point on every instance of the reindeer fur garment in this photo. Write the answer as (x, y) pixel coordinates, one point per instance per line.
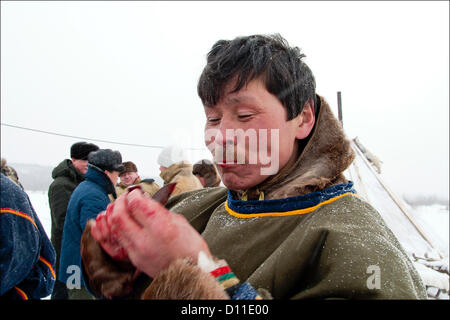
(280, 249)
(181, 173)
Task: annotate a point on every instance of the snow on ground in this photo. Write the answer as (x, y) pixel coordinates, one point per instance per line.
(39, 200)
(434, 220)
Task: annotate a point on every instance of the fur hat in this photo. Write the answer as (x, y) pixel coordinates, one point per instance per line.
(106, 159)
(129, 167)
(170, 156)
(206, 169)
(81, 150)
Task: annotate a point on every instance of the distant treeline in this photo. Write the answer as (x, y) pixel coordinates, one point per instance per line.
(425, 200)
(35, 177)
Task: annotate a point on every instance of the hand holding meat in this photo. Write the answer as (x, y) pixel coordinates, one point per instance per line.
(101, 231)
(152, 236)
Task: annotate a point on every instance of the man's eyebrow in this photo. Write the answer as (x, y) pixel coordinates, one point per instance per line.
(230, 100)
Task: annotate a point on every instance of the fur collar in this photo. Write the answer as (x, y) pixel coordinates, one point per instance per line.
(179, 168)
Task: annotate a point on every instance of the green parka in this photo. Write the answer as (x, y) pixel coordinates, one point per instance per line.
(311, 236)
(66, 179)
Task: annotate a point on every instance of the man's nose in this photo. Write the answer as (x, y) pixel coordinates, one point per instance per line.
(227, 134)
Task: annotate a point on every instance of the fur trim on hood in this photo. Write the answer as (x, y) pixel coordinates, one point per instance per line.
(181, 173)
(180, 168)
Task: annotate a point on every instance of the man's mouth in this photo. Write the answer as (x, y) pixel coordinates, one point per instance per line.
(228, 164)
(229, 161)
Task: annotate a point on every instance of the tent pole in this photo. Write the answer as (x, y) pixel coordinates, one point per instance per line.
(339, 101)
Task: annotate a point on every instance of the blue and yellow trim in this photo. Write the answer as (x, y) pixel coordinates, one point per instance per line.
(288, 206)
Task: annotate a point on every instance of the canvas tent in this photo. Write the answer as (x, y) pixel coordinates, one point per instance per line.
(420, 244)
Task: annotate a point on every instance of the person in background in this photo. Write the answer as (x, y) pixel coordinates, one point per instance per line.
(175, 168)
(206, 172)
(67, 176)
(131, 177)
(10, 172)
(27, 257)
(88, 199)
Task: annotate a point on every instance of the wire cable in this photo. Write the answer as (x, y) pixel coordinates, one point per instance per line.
(90, 139)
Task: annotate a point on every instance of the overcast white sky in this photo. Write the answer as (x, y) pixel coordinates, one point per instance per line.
(128, 71)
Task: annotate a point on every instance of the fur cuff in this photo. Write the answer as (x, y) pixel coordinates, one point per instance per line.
(104, 276)
(183, 280)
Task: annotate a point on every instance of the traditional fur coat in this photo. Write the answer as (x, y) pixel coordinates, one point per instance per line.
(181, 173)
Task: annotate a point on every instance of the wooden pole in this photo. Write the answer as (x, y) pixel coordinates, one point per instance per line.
(339, 100)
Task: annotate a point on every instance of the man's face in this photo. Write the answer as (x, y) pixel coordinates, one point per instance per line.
(80, 165)
(252, 109)
(128, 178)
(113, 176)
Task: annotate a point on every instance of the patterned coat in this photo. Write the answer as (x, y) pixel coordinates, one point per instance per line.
(27, 258)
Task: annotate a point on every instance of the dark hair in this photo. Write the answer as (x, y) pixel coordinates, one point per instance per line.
(267, 56)
(206, 169)
(129, 166)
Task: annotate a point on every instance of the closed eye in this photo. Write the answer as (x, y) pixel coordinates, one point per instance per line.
(213, 120)
(244, 116)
